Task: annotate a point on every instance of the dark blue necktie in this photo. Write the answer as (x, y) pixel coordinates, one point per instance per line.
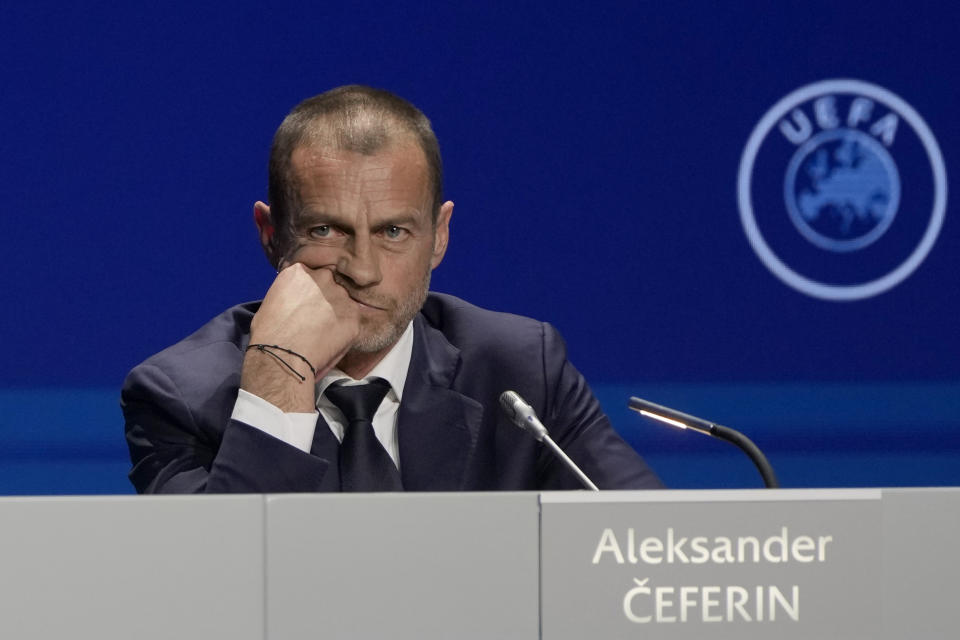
(364, 464)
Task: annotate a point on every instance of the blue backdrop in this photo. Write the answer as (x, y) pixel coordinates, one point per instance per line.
(596, 156)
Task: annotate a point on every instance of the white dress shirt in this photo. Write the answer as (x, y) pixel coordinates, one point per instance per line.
(297, 429)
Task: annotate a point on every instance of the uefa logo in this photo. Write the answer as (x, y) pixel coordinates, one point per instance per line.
(842, 190)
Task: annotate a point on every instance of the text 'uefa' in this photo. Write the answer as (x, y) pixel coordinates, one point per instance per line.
(828, 116)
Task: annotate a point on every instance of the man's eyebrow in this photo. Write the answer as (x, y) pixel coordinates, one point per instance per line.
(399, 218)
(314, 216)
(402, 217)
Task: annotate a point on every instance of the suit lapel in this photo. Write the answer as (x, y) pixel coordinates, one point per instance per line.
(437, 427)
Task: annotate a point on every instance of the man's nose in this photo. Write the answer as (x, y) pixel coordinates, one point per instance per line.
(360, 262)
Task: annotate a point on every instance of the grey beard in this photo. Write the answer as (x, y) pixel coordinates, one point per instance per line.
(386, 336)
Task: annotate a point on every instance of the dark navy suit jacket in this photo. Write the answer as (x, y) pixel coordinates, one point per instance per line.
(452, 434)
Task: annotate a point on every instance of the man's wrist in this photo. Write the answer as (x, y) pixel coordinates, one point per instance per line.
(282, 355)
(287, 385)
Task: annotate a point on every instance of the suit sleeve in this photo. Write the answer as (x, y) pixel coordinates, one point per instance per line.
(176, 447)
(578, 425)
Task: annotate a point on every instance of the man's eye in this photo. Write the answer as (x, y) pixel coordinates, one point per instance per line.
(320, 231)
(393, 232)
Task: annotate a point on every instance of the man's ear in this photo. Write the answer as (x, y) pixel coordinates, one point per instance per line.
(441, 233)
(267, 232)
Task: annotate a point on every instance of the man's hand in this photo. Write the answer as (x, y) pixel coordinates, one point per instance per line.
(307, 312)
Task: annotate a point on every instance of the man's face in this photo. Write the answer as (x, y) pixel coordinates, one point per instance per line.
(368, 218)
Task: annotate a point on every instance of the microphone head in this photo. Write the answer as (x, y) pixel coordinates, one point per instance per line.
(509, 402)
(521, 414)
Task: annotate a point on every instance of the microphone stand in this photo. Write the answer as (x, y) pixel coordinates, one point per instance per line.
(523, 415)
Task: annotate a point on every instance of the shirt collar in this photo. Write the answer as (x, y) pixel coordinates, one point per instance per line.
(392, 368)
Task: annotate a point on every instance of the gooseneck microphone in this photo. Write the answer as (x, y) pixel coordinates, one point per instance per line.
(682, 420)
(523, 415)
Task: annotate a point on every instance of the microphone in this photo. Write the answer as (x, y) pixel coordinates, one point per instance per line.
(686, 421)
(523, 415)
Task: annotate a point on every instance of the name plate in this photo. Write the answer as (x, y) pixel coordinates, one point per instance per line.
(695, 564)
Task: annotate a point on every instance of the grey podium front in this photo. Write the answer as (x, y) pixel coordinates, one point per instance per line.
(671, 564)
(131, 567)
(281, 567)
(403, 566)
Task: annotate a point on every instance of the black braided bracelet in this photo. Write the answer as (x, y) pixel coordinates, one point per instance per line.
(263, 348)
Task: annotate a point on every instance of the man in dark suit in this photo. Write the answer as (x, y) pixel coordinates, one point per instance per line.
(254, 401)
